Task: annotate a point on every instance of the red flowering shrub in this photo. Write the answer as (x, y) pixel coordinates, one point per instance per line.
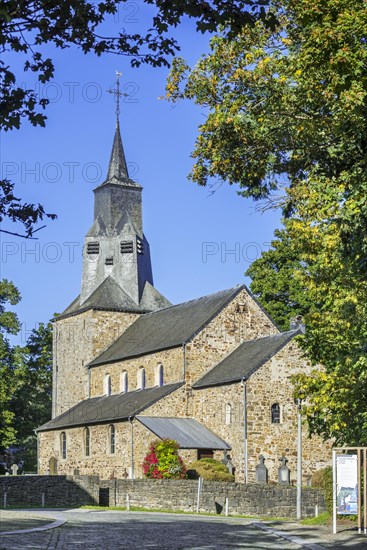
(163, 461)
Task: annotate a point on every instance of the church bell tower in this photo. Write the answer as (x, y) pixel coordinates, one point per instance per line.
(117, 282)
(116, 255)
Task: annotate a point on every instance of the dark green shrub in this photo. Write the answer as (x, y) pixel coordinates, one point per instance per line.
(323, 479)
(210, 470)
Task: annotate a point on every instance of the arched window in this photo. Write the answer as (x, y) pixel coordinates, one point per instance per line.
(228, 414)
(159, 375)
(107, 384)
(111, 439)
(87, 442)
(63, 444)
(275, 413)
(124, 382)
(141, 378)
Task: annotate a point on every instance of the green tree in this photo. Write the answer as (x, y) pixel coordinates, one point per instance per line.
(9, 361)
(31, 401)
(286, 122)
(286, 107)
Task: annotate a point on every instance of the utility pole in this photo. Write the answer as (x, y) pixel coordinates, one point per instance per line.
(299, 459)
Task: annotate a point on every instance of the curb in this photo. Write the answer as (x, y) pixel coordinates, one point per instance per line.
(59, 520)
(291, 538)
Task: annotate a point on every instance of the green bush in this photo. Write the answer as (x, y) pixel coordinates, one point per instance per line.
(323, 479)
(210, 470)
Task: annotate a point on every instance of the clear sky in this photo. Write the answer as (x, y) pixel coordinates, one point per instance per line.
(200, 241)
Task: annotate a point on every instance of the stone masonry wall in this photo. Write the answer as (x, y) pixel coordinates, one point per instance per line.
(171, 359)
(242, 319)
(272, 384)
(129, 439)
(77, 340)
(268, 385)
(100, 461)
(71, 491)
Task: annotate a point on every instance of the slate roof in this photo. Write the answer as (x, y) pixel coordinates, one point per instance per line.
(245, 360)
(189, 433)
(108, 295)
(118, 173)
(166, 328)
(99, 410)
(152, 299)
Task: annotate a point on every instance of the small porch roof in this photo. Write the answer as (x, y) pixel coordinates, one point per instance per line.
(188, 432)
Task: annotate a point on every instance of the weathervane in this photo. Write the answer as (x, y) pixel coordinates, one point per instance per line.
(116, 92)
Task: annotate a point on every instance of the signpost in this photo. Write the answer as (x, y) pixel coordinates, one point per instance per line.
(348, 463)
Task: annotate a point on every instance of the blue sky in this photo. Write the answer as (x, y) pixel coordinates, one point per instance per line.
(200, 241)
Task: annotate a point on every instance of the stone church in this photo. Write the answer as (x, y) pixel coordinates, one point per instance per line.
(129, 367)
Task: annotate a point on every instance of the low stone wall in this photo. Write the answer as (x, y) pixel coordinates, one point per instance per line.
(73, 491)
(51, 491)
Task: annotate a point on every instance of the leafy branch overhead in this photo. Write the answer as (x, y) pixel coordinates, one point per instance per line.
(27, 26)
(28, 214)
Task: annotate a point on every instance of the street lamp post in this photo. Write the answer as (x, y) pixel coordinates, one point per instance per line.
(299, 460)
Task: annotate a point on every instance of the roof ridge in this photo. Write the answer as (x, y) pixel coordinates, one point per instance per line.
(275, 335)
(237, 287)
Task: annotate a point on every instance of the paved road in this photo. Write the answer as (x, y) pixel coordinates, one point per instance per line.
(135, 530)
(109, 530)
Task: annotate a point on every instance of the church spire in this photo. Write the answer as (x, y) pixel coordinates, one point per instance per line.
(117, 167)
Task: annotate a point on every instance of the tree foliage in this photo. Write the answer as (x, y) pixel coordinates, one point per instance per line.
(329, 292)
(286, 122)
(28, 25)
(26, 379)
(31, 401)
(9, 324)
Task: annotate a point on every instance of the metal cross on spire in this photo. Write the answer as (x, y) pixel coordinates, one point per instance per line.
(116, 92)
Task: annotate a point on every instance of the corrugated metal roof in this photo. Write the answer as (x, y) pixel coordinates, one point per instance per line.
(245, 359)
(99, 410)
(188, 433)
(166, 328)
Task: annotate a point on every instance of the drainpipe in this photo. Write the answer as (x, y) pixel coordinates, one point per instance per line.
(55, 397)
(132, 447)
(55, 334)
(245, 453)
(184, 361)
